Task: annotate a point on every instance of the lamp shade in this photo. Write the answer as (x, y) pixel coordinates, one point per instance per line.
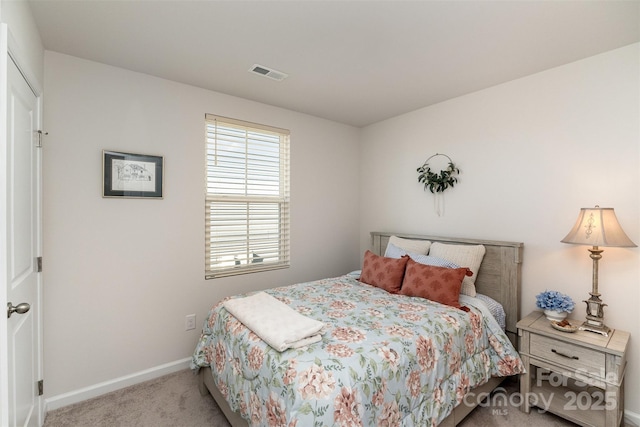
(598, 227)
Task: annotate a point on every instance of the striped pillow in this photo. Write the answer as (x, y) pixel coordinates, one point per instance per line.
(395, 252)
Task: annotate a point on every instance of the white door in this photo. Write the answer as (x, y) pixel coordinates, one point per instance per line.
(21, 219)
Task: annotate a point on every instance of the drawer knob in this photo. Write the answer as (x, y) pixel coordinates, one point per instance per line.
(553, 350)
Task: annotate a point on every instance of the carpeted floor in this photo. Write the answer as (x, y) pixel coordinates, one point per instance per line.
(174, 401)
(169, 401)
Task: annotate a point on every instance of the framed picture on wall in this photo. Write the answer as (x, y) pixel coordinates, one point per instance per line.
(132, 175)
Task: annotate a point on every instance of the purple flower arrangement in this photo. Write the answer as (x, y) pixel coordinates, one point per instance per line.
(554, 300)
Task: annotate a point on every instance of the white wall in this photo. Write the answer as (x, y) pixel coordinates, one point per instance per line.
(532, 152)
(121, 274)
(25, 39)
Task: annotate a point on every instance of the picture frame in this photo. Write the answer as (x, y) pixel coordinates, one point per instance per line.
(132, 175)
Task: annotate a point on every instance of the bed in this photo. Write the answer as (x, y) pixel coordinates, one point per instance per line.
(371, 367)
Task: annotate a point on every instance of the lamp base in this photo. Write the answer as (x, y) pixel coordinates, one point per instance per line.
(601, 329)
(595, 313)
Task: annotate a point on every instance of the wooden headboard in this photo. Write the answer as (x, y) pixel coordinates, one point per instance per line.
(500, 275)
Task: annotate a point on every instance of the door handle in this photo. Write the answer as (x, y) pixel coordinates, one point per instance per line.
(20, 308)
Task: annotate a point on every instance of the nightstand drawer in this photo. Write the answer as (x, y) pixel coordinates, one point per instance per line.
(572, 356)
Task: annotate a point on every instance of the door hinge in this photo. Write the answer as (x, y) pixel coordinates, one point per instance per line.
(39, 264)
(40, 133)
(40, 387)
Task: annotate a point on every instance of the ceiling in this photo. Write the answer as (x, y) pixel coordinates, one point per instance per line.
(355, 62)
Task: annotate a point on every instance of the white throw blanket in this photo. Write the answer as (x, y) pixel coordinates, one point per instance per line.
(276, 323)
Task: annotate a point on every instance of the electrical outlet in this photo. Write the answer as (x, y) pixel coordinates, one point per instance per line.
(190, 322)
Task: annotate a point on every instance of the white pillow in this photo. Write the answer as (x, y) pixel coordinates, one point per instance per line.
(469, 256)
(395, 252)
(415, 246)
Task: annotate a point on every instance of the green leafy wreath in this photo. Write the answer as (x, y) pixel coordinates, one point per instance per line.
(438, 182)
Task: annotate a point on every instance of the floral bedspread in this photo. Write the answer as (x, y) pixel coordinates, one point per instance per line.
(384, 359)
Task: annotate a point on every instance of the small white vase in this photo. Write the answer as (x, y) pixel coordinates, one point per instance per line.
(555, 315)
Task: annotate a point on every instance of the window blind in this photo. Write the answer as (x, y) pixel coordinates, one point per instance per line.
(247, 197)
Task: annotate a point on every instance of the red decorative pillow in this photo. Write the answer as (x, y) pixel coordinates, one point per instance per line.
(440, 284)
(382, 272)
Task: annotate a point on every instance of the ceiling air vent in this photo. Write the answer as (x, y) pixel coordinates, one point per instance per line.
(268, 72)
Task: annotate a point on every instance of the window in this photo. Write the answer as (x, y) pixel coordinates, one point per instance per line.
(247, 200)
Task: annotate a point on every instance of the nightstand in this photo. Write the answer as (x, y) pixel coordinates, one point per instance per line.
(578, 376)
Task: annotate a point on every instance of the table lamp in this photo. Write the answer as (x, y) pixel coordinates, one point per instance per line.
(597, 227)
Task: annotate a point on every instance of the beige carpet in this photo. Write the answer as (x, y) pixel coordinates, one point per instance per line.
(174, 401)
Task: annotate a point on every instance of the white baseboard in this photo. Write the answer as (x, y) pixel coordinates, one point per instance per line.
(632, 418)
(96, 390)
